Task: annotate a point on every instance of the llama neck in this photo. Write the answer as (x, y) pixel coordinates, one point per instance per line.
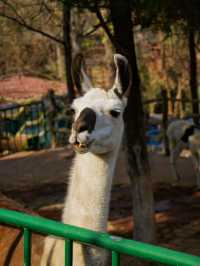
(87, 201)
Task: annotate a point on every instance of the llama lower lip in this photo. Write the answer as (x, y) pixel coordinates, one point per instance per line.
(80, 147)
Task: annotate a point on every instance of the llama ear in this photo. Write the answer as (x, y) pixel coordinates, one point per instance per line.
(86, 83)
(80, 77)
(123, 78)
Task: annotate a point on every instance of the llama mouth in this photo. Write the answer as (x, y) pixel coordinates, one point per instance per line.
(81, 147)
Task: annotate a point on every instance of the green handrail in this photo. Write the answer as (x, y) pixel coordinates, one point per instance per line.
(115, 244)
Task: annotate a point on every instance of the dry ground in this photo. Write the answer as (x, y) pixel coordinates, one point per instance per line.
(38, 180)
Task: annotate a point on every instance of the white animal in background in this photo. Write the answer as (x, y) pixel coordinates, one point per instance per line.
(96, 136)
(182, 135)
(194, 145)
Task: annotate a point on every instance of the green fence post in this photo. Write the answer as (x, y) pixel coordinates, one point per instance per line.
(115, 258)
(68, 252)
(27, 247)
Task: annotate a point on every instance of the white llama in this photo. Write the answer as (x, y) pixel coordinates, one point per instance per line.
(182, 135)
(96, 136)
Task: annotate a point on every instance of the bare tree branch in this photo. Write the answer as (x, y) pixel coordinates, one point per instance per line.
(14, 10)
(29, 27)
(48, 9)
(94, 29)
(104, 25)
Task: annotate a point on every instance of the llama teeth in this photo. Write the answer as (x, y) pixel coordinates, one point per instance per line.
(81, 145)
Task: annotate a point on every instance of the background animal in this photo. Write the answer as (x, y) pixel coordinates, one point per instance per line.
(184, 135)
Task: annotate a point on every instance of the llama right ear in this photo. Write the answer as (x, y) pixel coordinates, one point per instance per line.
(123, 79)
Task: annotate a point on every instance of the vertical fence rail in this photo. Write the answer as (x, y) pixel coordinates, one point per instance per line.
(44, 124)
(1, 129)
(68, 252)
(13, 142)
(27, 247)
(6, 125)
(115, 258)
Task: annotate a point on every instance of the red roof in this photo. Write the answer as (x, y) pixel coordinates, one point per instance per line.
(19, 87)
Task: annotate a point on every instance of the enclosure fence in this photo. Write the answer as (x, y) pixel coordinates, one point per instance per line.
(116, 245)
(35, 125)
(23, 126)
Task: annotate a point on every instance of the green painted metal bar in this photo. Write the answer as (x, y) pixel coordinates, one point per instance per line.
(27, 247)
(115, 258)
(68, 252)
(133, 248)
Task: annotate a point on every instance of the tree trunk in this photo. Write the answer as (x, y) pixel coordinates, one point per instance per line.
(193, 75)
(68, 51)
(138, 166)
(178, 109)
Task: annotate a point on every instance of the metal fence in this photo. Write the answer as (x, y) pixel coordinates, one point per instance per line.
(116, 245)
(33, 126)
(23, 127)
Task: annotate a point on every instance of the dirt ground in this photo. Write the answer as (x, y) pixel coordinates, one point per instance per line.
(38, 180)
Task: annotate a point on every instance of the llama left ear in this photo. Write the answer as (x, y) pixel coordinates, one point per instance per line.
(123, 78)
(86, 83)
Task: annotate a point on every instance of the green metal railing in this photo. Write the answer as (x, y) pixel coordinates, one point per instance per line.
(116, 245)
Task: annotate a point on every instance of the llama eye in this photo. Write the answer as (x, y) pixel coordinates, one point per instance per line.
(71, 111)
(114, 113)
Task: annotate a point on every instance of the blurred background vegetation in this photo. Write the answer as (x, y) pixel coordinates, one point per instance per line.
(32, 42)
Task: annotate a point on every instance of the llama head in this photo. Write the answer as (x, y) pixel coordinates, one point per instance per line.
(98, 119)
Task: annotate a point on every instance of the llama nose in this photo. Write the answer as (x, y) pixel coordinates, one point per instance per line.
(85, 121)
